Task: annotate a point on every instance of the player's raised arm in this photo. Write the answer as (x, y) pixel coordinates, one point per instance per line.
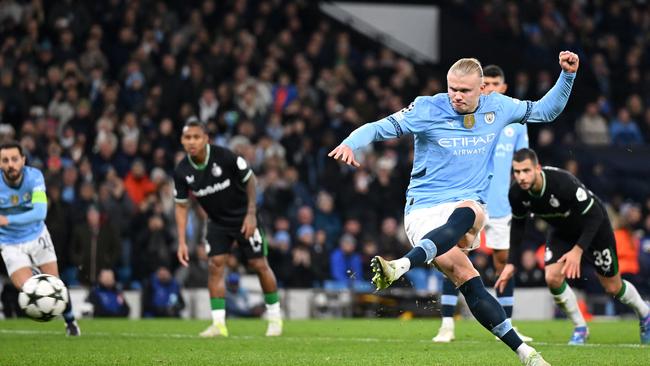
(549, 107)
(406, 121)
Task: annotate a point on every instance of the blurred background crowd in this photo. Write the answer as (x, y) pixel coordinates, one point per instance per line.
(96, 92)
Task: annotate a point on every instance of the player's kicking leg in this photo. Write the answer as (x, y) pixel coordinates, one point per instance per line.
(217, 289)
(485, 308)
(270, 288)
(566, 300)
(71, 327)
(461, 227)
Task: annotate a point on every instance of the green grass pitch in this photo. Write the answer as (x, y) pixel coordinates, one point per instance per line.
(309, 342)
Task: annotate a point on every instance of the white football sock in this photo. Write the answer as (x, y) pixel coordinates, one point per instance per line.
(523, 351)
(630, 297)
(219, 316)
(273, 311)
(568, 302)
(402, 266)
(447, 322)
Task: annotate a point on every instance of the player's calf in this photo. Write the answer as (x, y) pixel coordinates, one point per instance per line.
(490, 314)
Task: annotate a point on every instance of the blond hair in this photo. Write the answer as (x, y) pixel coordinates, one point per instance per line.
(467, 66)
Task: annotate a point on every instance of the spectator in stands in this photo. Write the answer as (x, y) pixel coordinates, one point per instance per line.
(137, 182)
(153, 246)
(624, 130)
(95, 244)
(161, 296)
(327, 220)
(107, 297)
(238, 302)
(279, 250)
(345, 262)
(530, 275)
(591, 127)
(627, 243)
(309, 261)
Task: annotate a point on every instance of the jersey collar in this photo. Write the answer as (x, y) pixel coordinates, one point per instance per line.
(20, 183)
(543, 187)
(205, 163)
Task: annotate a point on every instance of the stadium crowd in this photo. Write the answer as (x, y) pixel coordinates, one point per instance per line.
(97, 92)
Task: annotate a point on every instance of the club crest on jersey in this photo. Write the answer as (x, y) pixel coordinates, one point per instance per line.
(14, 199)
(554, 202)
(189, 179)
(216, 170)
(489, 118)
(469, 121)
(548, 255)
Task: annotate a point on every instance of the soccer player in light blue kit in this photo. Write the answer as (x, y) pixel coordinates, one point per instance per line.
(24, 239)
(497, 228)
(455, 138)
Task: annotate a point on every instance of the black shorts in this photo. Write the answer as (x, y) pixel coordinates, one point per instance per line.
(222, 240)
(601, 253)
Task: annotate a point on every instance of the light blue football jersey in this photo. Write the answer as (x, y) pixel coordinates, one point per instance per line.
(511, 139)
(16, 200)
(453, 152)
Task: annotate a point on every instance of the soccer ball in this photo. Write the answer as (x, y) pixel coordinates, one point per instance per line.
(43, 297)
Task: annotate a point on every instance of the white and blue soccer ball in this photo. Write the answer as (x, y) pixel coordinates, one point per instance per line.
(43, 297)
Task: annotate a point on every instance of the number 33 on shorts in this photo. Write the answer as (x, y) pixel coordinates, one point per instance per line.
(603, 259)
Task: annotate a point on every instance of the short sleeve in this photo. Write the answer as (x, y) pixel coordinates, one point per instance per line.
(38, 182)
(413, 119)
(181, 188)
(242, 169)
(38, 187)
(516, 111)
(577, 194)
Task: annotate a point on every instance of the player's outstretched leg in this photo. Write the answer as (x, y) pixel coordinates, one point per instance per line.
(487, 310)
(435, 243)
(449, 299)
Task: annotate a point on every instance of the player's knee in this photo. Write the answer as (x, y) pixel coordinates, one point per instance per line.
(465, 274)
(479, 213)
(500, 259)
(612, 287)
(258, 265)
(553, 280)
(216, 265)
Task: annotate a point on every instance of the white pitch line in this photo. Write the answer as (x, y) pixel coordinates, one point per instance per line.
(303, 339)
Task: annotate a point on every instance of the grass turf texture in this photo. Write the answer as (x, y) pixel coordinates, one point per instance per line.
(310, 342)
